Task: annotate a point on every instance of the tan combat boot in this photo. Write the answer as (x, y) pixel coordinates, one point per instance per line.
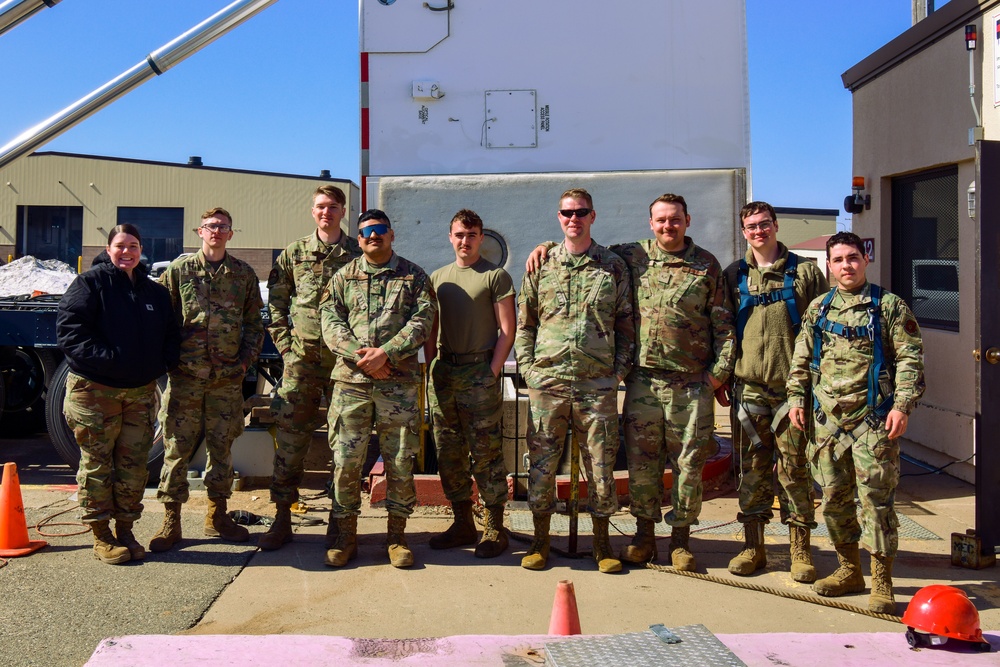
(123, 531)
(280, 532)
(845, 579)
(345, 545)
(680, 557)
(106, 547)
(462, 532)
(538, 552)
(881, 600)
(494, 541)
(643, 546)
(603, 555)
(218, 523)
(399, 553)
(754, 555)
(170, 532)
(332, 530)
(802, 564)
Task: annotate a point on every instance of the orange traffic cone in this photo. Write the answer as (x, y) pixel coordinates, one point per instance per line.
(13, 528)
(565, 616)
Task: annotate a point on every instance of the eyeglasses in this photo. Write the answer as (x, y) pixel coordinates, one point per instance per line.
(225, 229)
(764, 226)
(367, 232)
(579, 212)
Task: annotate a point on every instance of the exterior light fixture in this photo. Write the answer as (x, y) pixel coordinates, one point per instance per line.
(970, 37)
(971, 195)
(857, 202)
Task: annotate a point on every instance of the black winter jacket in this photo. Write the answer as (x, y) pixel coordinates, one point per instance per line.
(116, 333)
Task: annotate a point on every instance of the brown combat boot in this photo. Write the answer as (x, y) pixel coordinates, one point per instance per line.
(802, 568)
(399, 553)
(845, 579)
(123, 531)
(538, 552)
(332, 530)
(754, 555)
(462, 532)
(345, 545)
(603, 555)
(218, 523)
(494, 541)
(106, 548)
(881, 600)
(170, 532)
(680, 557)
(280, 532)
(643, 546)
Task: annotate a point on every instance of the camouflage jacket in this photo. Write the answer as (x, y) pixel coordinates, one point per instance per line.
(764, 354)
(391, 306)
(842, 386)
(299, 276)
(218, 313)
(575, 322)
(680, 320)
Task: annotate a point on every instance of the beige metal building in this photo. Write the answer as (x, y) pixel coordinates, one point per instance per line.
(62, 206)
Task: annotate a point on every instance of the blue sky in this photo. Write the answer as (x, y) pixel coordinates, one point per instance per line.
(280, 93)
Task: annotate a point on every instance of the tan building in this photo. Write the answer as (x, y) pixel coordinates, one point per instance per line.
(801, 224)
(917, 143)
(62, 206)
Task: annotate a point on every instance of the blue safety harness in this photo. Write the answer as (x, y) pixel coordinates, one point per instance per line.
(880, 384)
(750, 301)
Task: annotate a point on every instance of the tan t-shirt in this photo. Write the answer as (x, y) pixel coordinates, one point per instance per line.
(467, 322)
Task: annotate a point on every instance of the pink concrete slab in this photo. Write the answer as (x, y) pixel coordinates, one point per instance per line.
(313, 651)
(884, 649)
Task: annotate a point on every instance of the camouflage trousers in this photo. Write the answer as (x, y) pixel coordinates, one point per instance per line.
(114, 428)
(781, 453)
(391, 408)
(868, 468)
(296, 410)
(591, 408)
(668, 417)
(193, 408)
(466, 402)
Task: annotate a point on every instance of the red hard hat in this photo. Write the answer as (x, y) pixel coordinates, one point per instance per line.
(945, 611)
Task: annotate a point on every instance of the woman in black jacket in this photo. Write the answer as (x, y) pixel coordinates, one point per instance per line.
(118, 332)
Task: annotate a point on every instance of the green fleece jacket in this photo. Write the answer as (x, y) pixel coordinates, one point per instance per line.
(763, 356)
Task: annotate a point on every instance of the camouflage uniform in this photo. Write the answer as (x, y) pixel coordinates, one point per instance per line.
(869, 465)
(465, 398)
(575, 340)
(300, 275)
(114, 428)
(762, 360)
(683, 332)
(392, 307)
(221, 336)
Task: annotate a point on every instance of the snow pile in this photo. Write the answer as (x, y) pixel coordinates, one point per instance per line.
(27, 275)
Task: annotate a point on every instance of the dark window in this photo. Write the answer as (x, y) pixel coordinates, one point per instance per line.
(925, 263)
(50, 232)
(162, 231)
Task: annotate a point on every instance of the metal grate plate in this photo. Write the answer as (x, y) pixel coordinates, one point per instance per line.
(698, 646)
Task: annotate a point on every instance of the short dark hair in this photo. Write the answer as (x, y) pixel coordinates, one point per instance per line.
(669, 198)
(373, 214)
(578, 193)
(333, 192)
(218, 210)
(125, 228)
(467, 218)
(755, 207)
(845, 238)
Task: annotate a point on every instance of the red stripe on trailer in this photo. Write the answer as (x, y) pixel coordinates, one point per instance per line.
(364, 67)
(364, 192)
(364, 128)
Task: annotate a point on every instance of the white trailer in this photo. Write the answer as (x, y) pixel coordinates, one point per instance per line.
(500, 105)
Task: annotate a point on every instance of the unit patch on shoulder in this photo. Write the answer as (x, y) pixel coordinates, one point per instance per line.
(910, 327)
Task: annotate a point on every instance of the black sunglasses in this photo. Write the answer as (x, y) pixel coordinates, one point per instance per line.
(380, 229)
(578, 212)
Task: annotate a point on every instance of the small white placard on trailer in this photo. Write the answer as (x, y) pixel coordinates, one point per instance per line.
(511, 119)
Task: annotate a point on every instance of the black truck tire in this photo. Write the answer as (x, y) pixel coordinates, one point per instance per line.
(62, 436)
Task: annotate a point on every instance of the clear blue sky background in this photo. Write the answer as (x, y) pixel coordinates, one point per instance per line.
(280, 93)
